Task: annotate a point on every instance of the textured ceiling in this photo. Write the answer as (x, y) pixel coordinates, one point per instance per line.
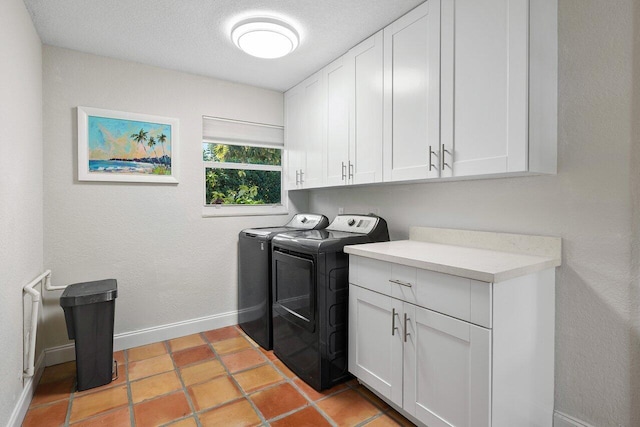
(193, 35)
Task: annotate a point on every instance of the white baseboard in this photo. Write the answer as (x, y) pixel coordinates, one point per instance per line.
(66, 353)
(563, 420)
(28, 388)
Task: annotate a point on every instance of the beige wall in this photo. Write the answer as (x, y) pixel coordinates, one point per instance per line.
(172, 265)
(588, 204)
(20, 187)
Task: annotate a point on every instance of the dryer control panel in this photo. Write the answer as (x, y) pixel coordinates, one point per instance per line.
(363, 224)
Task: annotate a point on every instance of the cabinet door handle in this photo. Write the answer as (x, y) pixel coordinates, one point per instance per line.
(393, 321)
(406, 331)
(297, 180)
(431, 153)
(301, 175)
(344, 171)
(401, 283)
(350, 170)
(442, 152)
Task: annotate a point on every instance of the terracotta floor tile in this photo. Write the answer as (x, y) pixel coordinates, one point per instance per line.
(348, 408)
(268, 354)
(308, 417)
(235, 414)
(243, 360)
(119, 357)
(258, 378)
(146, 351)
(187, 422)
(47, 415)
(161, 410)
(278, 400)
(193, 355)
(382, 421)
(51, 392)
(222, 334)
(373, 398)
(58, 372)
(155, 386)
(213, 393)
(189, 341)
(316, 395)
(231, 345)
(284, 369)
(400, 419)
(119, 417)
(251, 341)
(201, 372)
(99, 402)
(148, 367)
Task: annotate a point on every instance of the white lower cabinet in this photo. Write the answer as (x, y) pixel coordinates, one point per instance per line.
(449, 350)
(436, 368)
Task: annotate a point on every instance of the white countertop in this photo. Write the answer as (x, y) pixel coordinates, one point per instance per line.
(487, 265)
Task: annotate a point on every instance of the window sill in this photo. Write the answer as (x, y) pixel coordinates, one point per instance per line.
(239, 210)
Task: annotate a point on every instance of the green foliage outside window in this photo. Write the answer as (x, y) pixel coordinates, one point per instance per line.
(239, 186)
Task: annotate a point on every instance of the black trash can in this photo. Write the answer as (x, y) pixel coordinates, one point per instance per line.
(89, 310)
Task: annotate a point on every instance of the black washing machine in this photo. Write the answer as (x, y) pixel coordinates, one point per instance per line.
(254, 275)
(310, 296)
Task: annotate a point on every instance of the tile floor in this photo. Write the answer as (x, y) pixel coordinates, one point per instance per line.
(215, 378)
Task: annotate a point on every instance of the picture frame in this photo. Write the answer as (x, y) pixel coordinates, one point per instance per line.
(119, 146)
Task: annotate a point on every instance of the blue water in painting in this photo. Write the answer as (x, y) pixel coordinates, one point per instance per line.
(117, 166)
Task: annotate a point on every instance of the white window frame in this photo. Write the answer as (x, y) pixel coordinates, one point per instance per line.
(209, 210)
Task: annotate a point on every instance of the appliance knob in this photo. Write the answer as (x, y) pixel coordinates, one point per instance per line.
(351, 222)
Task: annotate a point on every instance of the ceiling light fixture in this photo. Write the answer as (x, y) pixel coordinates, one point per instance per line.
(265, 37)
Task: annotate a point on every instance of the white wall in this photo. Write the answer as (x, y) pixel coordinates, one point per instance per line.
(171, 263)
(20, 186)
(588, 204)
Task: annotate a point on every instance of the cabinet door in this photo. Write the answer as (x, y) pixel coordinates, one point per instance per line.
(412, 93)
(484, 86)
(313, 106)
(338, 78)
(365, 155)
(375, 341)
(294, 132)
(447, 370)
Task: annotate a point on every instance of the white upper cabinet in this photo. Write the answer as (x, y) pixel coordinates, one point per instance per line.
(294, 135)
(412, 94)
(354, 97)
(338, 77)
(499, 73)
(304, 133)
(452, 89)
(365, 149)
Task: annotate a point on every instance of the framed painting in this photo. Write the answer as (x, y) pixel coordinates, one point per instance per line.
(126, 147)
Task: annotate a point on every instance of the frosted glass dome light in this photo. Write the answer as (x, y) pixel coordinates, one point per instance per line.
(265, 37)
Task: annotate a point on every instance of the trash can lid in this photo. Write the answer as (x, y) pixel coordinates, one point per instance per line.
(89, 293)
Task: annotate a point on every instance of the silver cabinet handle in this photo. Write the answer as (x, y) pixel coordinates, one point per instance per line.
(301, 175)
(431, 153)
(297, 180)
(442, 152)
(344, 171)
(350, 170)
(393, 321)
(401, 283)
(406, 331)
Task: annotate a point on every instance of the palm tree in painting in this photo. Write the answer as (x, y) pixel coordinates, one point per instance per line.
(162, 138)
(141, 138)
(152, 145)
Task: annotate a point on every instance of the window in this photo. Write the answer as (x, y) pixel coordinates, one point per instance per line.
(242, 168)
